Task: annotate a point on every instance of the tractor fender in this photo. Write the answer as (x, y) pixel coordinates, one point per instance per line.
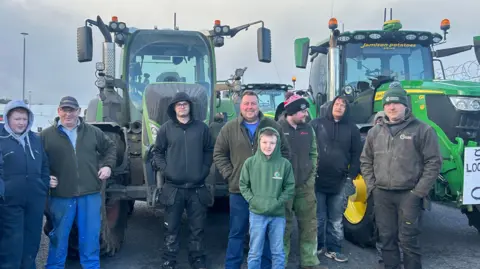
(119, 135)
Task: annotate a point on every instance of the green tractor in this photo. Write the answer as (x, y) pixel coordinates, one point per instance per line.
(270, 95)
(154, 65)
(360, 65)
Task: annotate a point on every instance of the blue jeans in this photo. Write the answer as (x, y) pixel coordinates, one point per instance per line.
(239, 219)
(260, 226)
(87, 211)
(330, 209)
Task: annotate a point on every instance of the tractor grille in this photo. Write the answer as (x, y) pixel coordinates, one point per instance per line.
(464, 124)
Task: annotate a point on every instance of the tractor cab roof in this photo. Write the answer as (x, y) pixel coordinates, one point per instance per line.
(266, 86)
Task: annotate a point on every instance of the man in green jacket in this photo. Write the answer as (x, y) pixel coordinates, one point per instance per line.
(303, 144)
(72, 147)
(235, 143)
(400, 162)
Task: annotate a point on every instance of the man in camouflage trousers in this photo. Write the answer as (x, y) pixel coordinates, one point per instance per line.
(303, 146)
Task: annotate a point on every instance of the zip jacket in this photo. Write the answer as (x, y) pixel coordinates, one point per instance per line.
(183, 152)
(401, 156)
(77, 168)
(267, 183)
(303, 151)
(24, 172)
(233, 147)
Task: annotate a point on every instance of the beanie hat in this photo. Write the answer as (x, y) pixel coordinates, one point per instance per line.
(288, 95)
(295, 103)
(395, 94)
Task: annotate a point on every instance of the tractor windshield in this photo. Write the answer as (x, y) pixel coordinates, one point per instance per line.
(166, 56)
(268, 100)
(364, 62)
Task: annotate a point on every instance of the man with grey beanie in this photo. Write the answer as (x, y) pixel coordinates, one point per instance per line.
(400, 162)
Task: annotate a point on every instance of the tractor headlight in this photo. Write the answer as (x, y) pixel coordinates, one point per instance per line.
(466, 103)
(348, 90)
(154, 129)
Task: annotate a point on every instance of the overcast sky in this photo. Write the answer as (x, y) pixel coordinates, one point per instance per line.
(53, 71)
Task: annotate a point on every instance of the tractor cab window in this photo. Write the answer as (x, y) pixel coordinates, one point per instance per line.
(319, 74)
(156, 57)
(268, 100)
(368, 62)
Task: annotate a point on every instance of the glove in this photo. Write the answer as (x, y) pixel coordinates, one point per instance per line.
(349, 187)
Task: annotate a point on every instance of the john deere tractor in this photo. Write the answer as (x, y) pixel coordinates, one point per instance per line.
(360, 65)
(154, 65)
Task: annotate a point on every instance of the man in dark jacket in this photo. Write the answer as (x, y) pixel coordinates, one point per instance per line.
(236, 142)
(24, 168)
(72, 146)
(303, 156)
(183, 155)
(339, 148)
(401, 160)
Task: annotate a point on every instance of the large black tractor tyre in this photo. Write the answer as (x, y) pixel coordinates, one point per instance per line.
(358, 218)
(474, 217)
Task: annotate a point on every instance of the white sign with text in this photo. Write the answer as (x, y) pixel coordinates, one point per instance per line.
(471, 176)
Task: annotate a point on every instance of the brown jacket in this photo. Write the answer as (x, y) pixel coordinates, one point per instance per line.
(402, 157)
(233, 147)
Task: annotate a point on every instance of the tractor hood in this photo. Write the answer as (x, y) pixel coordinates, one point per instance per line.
(158, 97)
(446, 87)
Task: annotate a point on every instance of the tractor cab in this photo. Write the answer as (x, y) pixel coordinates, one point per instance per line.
(360, 64)
(270, 96)
(162, 63)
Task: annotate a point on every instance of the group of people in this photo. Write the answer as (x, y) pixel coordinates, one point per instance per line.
(277, 171)
(57, 172)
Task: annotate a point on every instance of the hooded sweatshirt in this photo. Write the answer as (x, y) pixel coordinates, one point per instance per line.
(183, 152)
(267, 183)
(24, 170)
(339, 148)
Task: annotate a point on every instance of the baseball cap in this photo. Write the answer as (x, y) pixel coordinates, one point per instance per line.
(69, 101)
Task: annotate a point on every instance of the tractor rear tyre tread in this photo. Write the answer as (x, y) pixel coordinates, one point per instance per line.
(364, 233)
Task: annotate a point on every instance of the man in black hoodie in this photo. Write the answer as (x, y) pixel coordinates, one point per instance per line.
(339, 148)
(183, 154)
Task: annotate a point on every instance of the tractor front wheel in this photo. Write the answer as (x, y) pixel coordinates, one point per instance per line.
(474, 217)
(359, 223)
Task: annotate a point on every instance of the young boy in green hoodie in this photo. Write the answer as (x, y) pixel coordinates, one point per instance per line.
(267, 183)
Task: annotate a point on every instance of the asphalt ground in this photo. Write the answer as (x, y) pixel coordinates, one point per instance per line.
(448, 243)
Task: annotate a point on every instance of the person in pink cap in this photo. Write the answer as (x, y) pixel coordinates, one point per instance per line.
(281, 107)
(302, 142)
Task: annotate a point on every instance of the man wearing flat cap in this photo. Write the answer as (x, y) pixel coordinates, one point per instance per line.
(72, 146)
(303, 156)
(400, 162)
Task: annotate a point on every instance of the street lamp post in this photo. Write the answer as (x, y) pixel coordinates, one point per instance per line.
(24, 55)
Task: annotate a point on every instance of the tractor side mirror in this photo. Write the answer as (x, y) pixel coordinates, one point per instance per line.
(302, 46)
(84, 44)
(264, 45)
(476, 47)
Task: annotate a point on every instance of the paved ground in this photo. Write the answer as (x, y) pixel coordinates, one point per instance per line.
(448, 243)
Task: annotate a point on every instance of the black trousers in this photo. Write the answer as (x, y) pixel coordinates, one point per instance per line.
(195, 201)
(397, 216)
